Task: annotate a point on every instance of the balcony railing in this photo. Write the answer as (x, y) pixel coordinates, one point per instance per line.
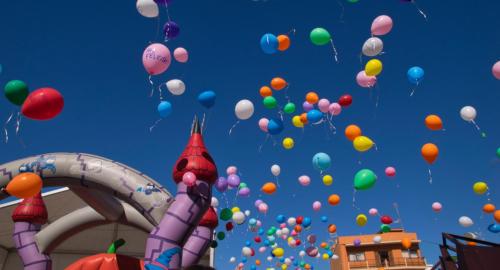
(395, 262)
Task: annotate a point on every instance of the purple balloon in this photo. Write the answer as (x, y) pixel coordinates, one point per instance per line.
(221, 184)
(244, 192)
(171, 30)
(357, 242)
(233, 180)
(257, 202)
(163, 2)
(307, 106)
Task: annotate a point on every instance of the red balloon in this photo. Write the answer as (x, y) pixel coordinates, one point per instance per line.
(297, 242)
(386, 220)
(229, 226)
(253, 252)
(257, 239)
(43, 104)
(345, 100)
(299, 219)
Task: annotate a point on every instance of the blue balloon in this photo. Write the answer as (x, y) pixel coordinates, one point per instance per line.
(306, 222)
(321, 161)
(261, 231)
(415, 75)
(269, 43)
(282, 260)
(494, 228)
(314, 116)
(324, 219)
(244, 260)
(280, 218)
(207, 99)
(252, 221)
(330, 253)
(164, 109)
(253, 267)
(271, 239)
(295, 263)
(266, 243)
(275, 126)
(248, 243)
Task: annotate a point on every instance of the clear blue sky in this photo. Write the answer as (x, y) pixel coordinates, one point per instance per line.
(91, 52)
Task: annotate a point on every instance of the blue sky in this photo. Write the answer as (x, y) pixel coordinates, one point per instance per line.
(91, 52)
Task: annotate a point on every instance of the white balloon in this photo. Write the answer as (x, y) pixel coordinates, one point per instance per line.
(176, 87)
(335, 257)
(302, 253)
(215, 202)
(470, 235)
(373, 46)
(246, 251)
(291, 221)
(269, 259)
(275, 170)
(468, 113)
(465, 221)
(377, 239)
(239, 218)
(288, 261)
(247, 213)
(232, 260)
(147, 8)
(244, 109)
(285, 231)
(279, 232)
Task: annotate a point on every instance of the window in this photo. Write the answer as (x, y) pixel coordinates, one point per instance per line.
(357, 257)
(409, 254)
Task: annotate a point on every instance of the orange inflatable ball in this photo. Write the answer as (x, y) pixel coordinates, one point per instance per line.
(278, 83)
(406, 243)
(257, 262)
(312, 98)
(430, 152)
(352, 131)
(496, 216)
(297, 228)
(433, 122)
(283, 42)
(265, 91)
(25, 185)
(334, 199)
(323, 245)
(303, 118)
(269, 188)
(332, 228)
(488, 208)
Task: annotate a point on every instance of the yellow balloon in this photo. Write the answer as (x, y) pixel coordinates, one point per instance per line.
(480, 188)
(325, 256)
(361, 220)
(362, 143)
(278, 252)
(327, 180)
(373, 67)
(288, 143)
(296, 122)
(284, 267)
(235, 209)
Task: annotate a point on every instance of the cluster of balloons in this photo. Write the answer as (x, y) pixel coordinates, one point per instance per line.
(271, 44)
(232, 181)
(157, 58)
(481, 188)
(324, 108)
(150, 9)
(359, 142)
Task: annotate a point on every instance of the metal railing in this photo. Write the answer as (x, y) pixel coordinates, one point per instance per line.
(393, 262)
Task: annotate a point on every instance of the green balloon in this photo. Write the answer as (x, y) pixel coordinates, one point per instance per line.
(498, 152)
(364, 179)
(226, 214)
(385, 228)
(243, 185)
(221, 235)
(16, 91)
(352, 1)
(289, 108)
(320, 36)
(270, 102)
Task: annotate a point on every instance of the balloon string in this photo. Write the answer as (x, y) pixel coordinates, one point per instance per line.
(157, 29)
(430, 176)
(168, 14)
(203, 123)
(354, 200)
(292, 31)
(333, 129)
(413, 91)
(341, 18)
(235, 124)
(160, 91)
(419, 10)
(18, 123)
(477, 127)
(5, 127)
(262, 145)
(152, 86)
(154, 125)
(319, 122)
(334, 51)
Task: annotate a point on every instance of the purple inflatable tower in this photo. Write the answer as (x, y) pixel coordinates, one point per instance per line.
(190, 203)
(28, 219)
(200, 240)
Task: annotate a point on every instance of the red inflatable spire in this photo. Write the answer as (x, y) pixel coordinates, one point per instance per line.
(210, 219)
(31, 210)
(196, 159)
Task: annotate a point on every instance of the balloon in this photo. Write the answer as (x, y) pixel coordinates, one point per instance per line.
(372, 46)
(233, 180)
(16, 92)
(265, 91)
(221, 235)
(494, 228)
(433, 122)
(269, 43)
(437, 207)
(430, 152)
(181, 55)
(312, 251)
(334, 199)
(164, 109)
(488, 208)
(496, 70)
(364, 179)
(406, 243)
(362, 143)
(221, 184)
(465, 221)
(496, 216)
(320, 36)
(468, 113)
(176, 87)
(312, 98)
(381, 25)
(304, 180)
(390, 171)
(498, 152)
(361, 220)
(321, 161)
(263, 122)
(280, 218)
(364, 80)
(377, 239)
(385, 228)
(283, 42)
(335, 108)
(314, 116)
(43, 104)
(263, 207)
(275, 126)
(480, 188)
(232, 260)
(323, 105)
(246, 251)
(291, 221)
(207, 99)
(373, 67)
(357, 242)
(275, 170)
(306, 222)
(244, 192)
(226, 214)
(147, 8)
(415, 75)
(332, 228)
(163, 2)
(231, 170)
(171, 30)
(156, 58)
(235, 209)
(269, 102)
(297, 122)
(288, 143)
(386, 220)
(316, 206)
(278, 252)
(214, 202)
(345, 100)
(229, 226)
(327, 180)
(24, 185)
(244, 109)
(373, 211)
(268, 188)
(278, 83)
(239, 218)
(189, 179)
(289, 108)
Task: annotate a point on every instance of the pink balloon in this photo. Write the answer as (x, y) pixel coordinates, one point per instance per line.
(189, 179)
(156, 58)
(262, 249)
(364, 80)
(231, 170)
(335, 108)
(257, 203)
(390, 171)
(323, 105)
(496, 70)
(263, 122)
(437, 206)
(373, 212)
(316, 206)
(181, 55)
(282, 225)
(263, 208)
(294, 233)
(381, 25)
(304, 180)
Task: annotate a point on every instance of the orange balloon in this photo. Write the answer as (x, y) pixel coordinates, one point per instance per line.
(323, 245)
(430, 152)
(471, 243)
(257, 262)
(278, 83)
(312, 98)
(496, 216)
(489, 208)
(269, 188)
(334, 199)
(332, 228)
(25, 185)
(298, 228)
(352, 131)
(433, 122)
(307, 266)
(283, 42)
(406, 242)
(303, 118)
(265, 91)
